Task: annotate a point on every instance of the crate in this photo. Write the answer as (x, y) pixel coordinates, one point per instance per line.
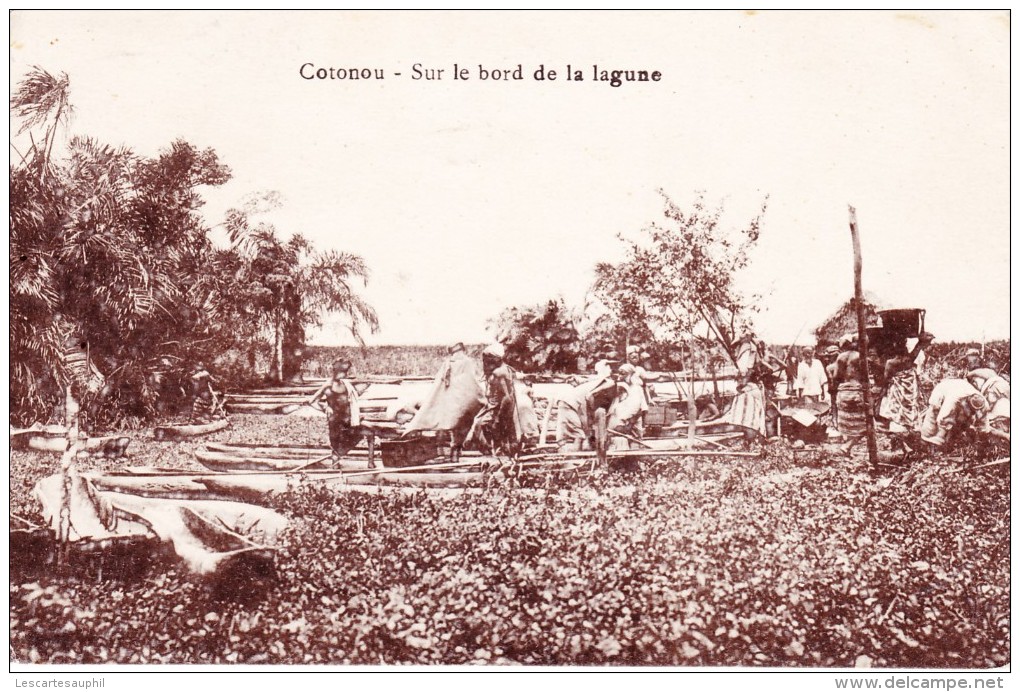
(660, 416)
(411, 452)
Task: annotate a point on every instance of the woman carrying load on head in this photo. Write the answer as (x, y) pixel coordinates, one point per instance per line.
(901, 405)
(343, 415)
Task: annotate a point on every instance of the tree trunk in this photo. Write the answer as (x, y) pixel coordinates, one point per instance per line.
(862, 341)
(692, 406)
(278, 349)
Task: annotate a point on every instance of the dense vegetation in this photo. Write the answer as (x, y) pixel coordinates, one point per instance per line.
(787, 560)
(117, 289)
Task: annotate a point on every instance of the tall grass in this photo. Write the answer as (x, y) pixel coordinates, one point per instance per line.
(402, 361)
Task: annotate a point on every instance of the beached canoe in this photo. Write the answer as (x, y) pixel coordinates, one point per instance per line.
(226, 462)
(162, 485)
(218, 540)
(252, 486)
(175, 432)
(267, 409)
(112, 446)
(264, 450)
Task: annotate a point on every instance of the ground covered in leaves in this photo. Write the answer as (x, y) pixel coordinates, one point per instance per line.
(793, 559)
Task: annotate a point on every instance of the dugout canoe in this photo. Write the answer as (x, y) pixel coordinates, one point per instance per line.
(172, 485)
(265, 409)
(112, 446)
(218, 540)
(224, 462)
(255, 449)
(215, 538)
(176, 432)
(305, 452)
(253, 485)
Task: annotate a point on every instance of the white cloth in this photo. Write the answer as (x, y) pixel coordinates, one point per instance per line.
(748, 408)
(811, 378)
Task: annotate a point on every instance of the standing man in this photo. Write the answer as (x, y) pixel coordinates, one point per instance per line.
(343, 415)
(498, 425)
(638, 379)
(812, 382)
(792, 366)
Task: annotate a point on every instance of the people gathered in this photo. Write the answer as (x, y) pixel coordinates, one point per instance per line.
(833, 389)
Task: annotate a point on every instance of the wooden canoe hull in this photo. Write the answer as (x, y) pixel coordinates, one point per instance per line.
(113, 446)
(273, 451)
(176, 432)
(176, 486)
(228, 463)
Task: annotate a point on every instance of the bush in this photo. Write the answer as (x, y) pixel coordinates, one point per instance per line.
(777, 561)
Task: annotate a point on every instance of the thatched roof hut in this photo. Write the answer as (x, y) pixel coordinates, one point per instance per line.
(844, 320)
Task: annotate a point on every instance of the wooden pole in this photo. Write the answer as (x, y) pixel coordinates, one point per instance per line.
(862, 341)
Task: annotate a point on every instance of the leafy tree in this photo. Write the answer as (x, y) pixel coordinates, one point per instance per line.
(541, 337)
(281, 289)
(678, 281)
(104, 245)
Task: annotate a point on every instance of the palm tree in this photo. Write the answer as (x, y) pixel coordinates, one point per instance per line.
(292, 287)
(103, 245)
(41, 100)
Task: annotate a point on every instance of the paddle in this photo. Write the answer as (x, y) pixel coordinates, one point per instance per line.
(632, 439)
(313, 462)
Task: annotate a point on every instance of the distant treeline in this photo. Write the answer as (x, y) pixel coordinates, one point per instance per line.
(426, 360)
(402, 361)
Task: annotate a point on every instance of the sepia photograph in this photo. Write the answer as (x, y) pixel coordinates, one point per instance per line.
(508, 342)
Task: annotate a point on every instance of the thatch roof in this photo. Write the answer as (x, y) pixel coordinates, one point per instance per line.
(844, 320)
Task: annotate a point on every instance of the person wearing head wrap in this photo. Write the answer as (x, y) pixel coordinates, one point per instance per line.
(995, 389)
(630, 404)
(499, 426)
(955, 406)
(972, 360)
(343, 415)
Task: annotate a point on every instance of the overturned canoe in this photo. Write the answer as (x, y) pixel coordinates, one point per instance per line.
(215, 539)
(174, 432)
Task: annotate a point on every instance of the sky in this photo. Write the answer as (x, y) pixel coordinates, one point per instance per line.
(466, 196)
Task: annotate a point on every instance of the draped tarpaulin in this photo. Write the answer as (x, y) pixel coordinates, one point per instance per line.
(456, 396)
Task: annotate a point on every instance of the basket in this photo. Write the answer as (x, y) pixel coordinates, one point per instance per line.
(905, 323)
(411, 452)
